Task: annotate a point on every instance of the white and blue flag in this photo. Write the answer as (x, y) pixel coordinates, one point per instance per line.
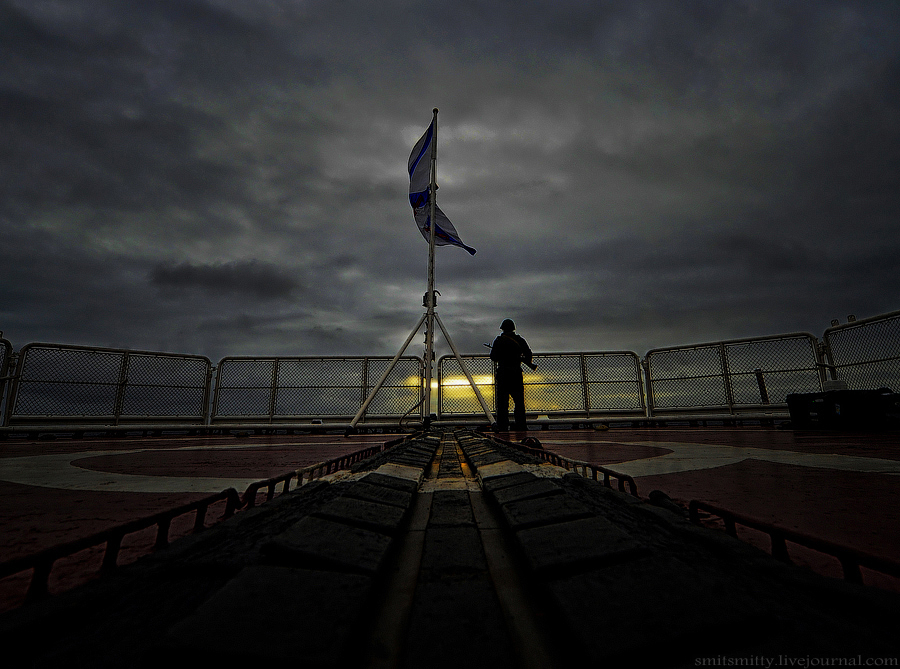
(444, 233)
(419, 196)
(420, 169)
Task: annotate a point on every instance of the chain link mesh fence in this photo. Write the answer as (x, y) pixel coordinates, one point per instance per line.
(733, 375)
(455, 395)
(866, 353)
(564, 384)
(614, 382)
(108, 385)
(285, 389)
(73, 384)
(6, 353)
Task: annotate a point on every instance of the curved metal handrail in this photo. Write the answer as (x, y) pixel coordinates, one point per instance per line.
(851, 559)
(42, 561)
(574, 465)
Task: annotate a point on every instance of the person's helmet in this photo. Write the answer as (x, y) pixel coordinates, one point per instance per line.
(507, 325)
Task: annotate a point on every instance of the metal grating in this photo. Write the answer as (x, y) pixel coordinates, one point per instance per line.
(284, 389)
(614, 382)
(73, 384)
(787, 364)
(108, 385)
(402, 391)
(730, 375)
(866, 353)
(165, 385)
(455, 395)
(568, 384)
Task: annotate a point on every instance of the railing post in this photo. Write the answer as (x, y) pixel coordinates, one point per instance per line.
(779, 547)
(120, 388)
(274, 391)
(585, 394)
(207, 395)
(200, 519)
(639, 379)
(215, 401)
(851, 570)
(113, 544)
(726, 378)
(364, 381)
(162, 534)
(5, 366)
(14, 367)
(826, 360)
(730, 527)
(40, 578)
(231, 505)
(648, 383)
(761, 382)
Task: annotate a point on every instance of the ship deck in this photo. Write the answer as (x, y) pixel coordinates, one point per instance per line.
(452, 549)
(838, 486)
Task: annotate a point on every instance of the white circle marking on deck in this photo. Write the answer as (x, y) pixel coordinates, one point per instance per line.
(686, 457)
(59, 470)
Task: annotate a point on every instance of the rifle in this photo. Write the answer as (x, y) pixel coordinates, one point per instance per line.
(530, 365)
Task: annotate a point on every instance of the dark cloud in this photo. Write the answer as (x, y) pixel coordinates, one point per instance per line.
(263, 282)
(222, 177)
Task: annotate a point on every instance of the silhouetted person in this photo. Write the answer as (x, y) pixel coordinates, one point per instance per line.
(509, 351)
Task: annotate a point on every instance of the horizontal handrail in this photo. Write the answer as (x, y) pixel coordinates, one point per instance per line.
(851, 559)
(316, 471)
(42, 561)
(589, 384)
(574, 465)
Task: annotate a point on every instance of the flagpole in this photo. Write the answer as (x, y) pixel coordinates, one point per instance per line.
(430, 315)
(429, 296)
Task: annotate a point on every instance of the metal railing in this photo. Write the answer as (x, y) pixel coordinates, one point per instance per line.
(297, 389)
(77, 385)
(6, 356)
(313, 472)
(865, 353)
(738, 375)
(851, 559)
(533, 447)
(42, 562)
(62, 385)
(571, 385)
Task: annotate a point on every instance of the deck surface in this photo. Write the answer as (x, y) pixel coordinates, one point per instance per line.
(453, 549)
(832, 485)
(838, 486)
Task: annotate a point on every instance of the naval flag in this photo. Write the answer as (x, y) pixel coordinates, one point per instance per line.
(444, 232)
(420, 169)
(420, 196)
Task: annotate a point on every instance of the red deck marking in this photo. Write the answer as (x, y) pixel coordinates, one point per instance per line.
(33, 518)
(852, 508)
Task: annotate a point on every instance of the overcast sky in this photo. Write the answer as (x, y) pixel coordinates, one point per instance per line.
(228, 177)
